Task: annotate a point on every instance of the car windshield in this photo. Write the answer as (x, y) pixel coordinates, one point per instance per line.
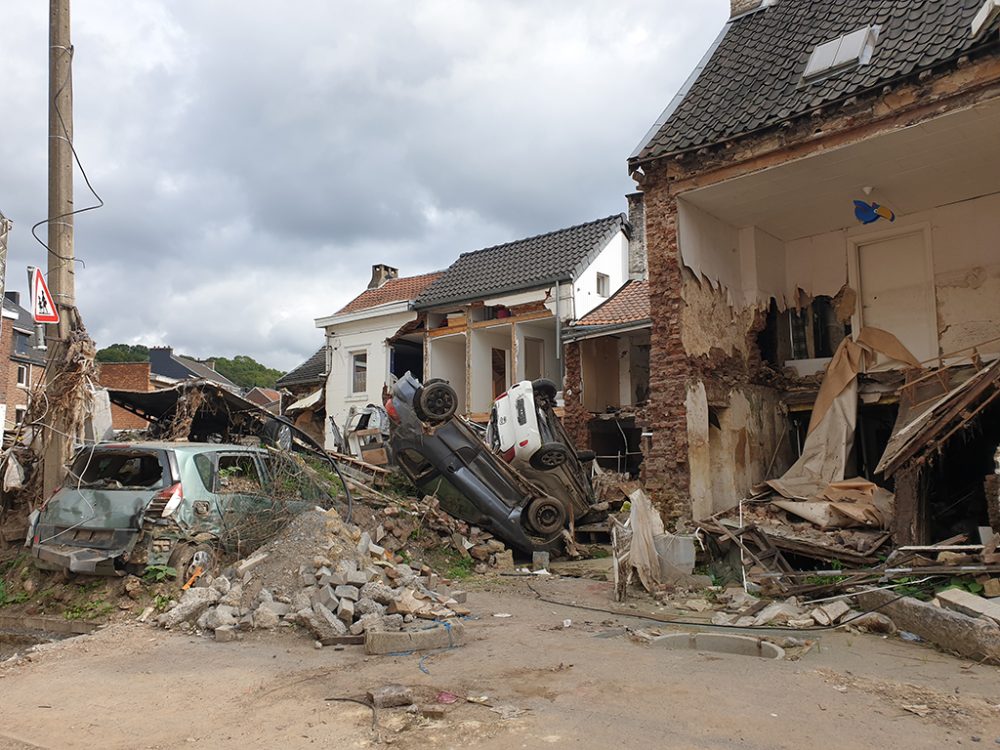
(118, 470)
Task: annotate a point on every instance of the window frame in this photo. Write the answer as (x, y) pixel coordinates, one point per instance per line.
(362, 355)
(22, 382)
(603, 283)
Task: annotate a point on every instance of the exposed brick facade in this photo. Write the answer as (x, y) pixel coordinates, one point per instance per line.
(576, 417)
(665, 468)
(129, 376)
(12, 394)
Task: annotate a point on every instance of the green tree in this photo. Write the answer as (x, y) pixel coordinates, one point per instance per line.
(123, 353)
(247, 372)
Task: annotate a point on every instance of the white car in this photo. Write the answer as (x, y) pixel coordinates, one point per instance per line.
(521, 438)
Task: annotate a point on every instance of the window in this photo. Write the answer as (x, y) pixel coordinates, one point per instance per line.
(843, 52)
(238, 474)
(20, 342)
(359, 372)
(22, 376)
(19, 414)
(117, 470)
(603, 285)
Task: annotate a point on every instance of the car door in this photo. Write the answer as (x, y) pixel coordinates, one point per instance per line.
(248, 510)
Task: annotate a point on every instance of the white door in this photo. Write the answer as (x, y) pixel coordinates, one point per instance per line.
(897, 291)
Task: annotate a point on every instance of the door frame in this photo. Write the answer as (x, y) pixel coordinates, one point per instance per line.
(861, 236)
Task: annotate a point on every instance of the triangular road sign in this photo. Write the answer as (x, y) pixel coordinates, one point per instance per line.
(43, 309)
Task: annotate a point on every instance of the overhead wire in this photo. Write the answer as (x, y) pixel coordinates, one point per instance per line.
(76, 158)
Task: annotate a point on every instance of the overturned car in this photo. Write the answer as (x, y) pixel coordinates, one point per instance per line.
(444, 456)
(127, 506)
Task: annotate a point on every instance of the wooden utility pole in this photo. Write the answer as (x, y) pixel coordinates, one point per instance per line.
(60, 225)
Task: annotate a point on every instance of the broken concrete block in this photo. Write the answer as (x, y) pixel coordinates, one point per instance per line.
(226, 633)
(480, 552)
(303, 599)
(192, 603)
(441, 635)
(221, 584)
(233, 597)
(460, 597)
(218, 617)
(836, 610)
(347, 566)
(327, 597)
(278, 608)
(974, 637)
(358, 578)
(505, 560)
(265, 619)
(433, 711)
(250, 563)
(323, 576)
(777, 612)
(871, 622)
(345, 611)
(378, 592)
(969, 604)
(539, 560)
(991, 588)
(370, 607)
(347, 592)
(329, 624)
(390, 696)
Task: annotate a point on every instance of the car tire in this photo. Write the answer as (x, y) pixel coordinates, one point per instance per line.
(187, 557)
(585, 456)
(546, 515)
(549, 456)
(545, 392)
(437, 401)
(278, 435)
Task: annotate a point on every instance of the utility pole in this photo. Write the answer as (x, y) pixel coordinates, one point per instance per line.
(60, 226)
(5, 225)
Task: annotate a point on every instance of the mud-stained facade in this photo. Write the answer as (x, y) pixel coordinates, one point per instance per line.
(869, 198)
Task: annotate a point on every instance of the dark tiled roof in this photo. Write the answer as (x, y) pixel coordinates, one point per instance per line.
(630, 304)
(25, 325)
(394, 290)
(311, 371)
(201, 370)
(524, 264)
(754, 76)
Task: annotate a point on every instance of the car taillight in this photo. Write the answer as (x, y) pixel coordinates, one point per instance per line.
(390, 409)
(523, 443)
(173, 496)
(508, 455)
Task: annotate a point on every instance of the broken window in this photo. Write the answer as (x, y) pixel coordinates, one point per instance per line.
(117, 470)
(811, 332)
(238, 474)
(359, 372)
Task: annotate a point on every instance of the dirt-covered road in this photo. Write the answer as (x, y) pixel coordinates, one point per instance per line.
(587, 685)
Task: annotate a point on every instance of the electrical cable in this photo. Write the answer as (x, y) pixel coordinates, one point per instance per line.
(691, 623)
(79, 164)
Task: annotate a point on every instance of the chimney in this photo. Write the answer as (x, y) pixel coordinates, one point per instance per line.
(381, 273)
(637, 240)
(210, 364)
(738, 7)
(14, 297)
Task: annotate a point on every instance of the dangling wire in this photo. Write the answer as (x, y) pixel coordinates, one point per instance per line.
(76, 158)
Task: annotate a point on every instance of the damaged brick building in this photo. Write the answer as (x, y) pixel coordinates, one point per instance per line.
(827, 167)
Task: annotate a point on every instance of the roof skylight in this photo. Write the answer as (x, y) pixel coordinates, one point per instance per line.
(845, 51)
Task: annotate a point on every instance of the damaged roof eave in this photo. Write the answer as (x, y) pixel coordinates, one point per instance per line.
(490, 293)
(576, 333)
(389, 308)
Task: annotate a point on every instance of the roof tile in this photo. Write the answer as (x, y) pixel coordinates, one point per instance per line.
(754, 78)
(630, 304)
(523, 264)
(393, 290)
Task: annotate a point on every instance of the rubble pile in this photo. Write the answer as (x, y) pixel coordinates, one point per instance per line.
(740, 609)
(319, 574)
(404, 526)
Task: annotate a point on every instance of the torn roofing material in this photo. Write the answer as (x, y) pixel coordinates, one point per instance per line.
(523, 264)
(401, 289)
(754, 77)
(922, 428)
(313, 370)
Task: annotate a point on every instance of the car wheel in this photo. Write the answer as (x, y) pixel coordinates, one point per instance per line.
(585, 456)
(545, 393)
(438, 401)
(546, 515)
(549, 456)
(278, 435)
(187, 558)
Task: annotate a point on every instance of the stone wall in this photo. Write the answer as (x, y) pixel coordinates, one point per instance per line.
(576, 417)
(665, 470)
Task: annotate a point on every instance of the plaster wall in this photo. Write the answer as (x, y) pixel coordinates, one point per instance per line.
(612, 261)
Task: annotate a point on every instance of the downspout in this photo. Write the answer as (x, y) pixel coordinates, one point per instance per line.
(559, 356)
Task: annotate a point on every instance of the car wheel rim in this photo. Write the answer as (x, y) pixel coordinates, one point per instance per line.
(440, 402)
(201, 559)
(552, 459)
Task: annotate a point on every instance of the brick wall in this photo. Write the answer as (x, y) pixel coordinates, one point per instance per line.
(11, 394)
(576, 417)
(665, 468)
(128, 376)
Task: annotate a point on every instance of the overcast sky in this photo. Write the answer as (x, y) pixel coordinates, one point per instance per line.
(257, 157)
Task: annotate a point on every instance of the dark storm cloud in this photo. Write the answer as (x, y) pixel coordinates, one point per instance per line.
(256, 158)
